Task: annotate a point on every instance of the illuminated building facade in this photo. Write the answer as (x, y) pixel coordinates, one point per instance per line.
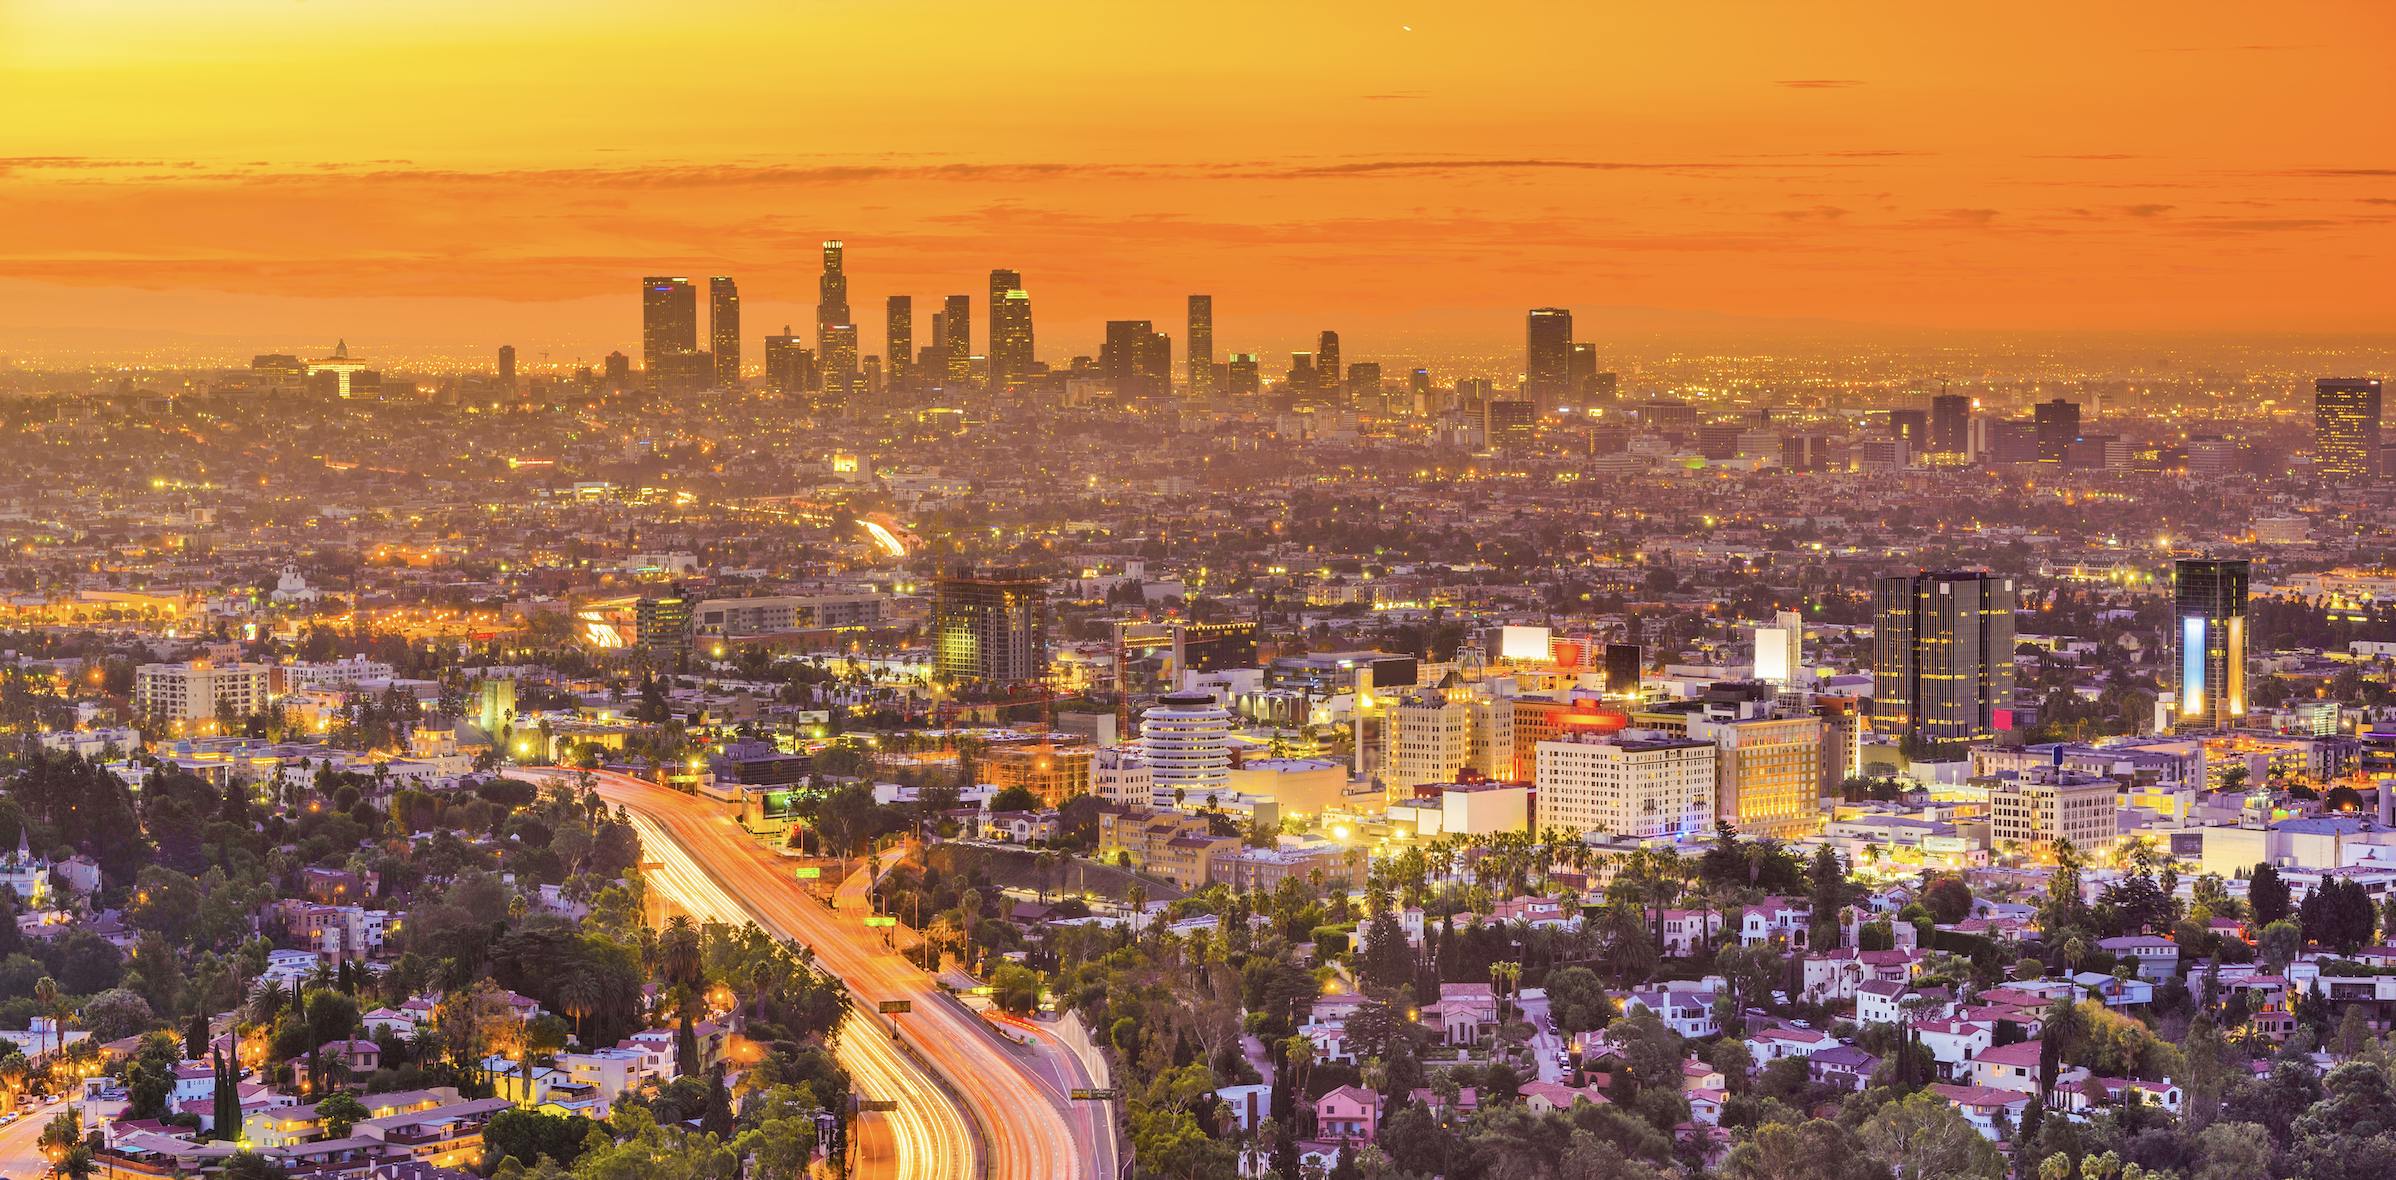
(990, 627)
(1768, 773)
(1547, 360)
(197, 692)
(723, 329)
(1326, 362)
(831, 291)
(669, 320)
(2036, 808)
(898, 337)
(1187, 739)
(1426, 737)
(1624, 785)
(841, 376)
(662, 624)
(2346, 428)
(1202, 345)
(1942, 655)
(1010, 336)
(2209, 644)
(1508, 424)
(956, 337)
(1533, 720)
(789, 363)
(1052, 774)
(1242, 376)
(1136, 360)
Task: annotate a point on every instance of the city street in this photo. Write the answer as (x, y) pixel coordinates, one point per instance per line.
(20, 1151)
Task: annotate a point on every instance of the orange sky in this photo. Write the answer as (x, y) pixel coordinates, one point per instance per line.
(237, 175)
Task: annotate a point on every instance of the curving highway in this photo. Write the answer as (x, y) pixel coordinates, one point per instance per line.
(1016, 1122)
(927, 1135)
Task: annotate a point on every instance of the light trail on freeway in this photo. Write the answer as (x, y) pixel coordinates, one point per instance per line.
(929, 1135)
(1021, 1115)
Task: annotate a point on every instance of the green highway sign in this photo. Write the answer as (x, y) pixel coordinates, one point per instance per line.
(1091, 1094)
(811, 873)
(880, 920)
(895, 1007)
(877, 1104)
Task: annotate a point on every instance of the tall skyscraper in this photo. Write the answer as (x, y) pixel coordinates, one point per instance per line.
(2209, 599)
(723, 329)
(669, 320)
(957, 334)
(2346, 428)
(1136, 360)
(1942, 655)
(1202, 345)
(1010, 314)
(1951, 424)
(1581, 373)
(2058, 425)
(842, 377)
(1547, 362)
(788, 363)
(990, 627)
(1326, 361)
(831, 293)
(898, 320)
(507, 367)
(1010, 332)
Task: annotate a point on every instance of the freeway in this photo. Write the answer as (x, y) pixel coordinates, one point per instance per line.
(1020, 1112)
(925, 1133)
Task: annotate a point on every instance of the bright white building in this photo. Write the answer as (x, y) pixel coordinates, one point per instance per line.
(194, 692)
(1187, 739)
(1629, 784)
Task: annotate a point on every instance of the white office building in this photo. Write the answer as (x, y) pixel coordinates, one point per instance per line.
(1635, 783)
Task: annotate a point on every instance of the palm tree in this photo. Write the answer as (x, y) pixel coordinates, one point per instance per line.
(578, 993)
(52, 1002)
(678, 952)
(13, 1071)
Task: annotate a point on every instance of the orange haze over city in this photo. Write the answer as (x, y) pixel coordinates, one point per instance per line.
(240, 175)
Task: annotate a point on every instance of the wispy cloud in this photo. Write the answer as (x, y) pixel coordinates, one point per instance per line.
(2340, 173)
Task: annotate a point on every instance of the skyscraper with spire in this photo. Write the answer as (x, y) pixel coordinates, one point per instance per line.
(832, 294)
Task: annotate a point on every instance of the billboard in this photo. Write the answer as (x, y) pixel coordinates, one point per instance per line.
(1523, 643)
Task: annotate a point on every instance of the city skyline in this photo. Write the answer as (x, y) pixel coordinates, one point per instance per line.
(1892, 174)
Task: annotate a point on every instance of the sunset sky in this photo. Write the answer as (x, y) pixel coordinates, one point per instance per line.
(240, 175)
